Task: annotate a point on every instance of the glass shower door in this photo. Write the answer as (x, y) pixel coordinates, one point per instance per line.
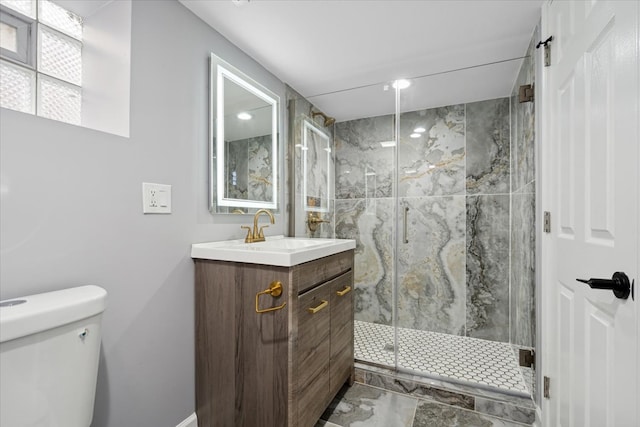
(430, 256)
(365, 210)
(455, 305)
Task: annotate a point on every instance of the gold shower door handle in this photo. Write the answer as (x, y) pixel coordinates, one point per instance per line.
(343, 292)
(314, 310)
(275, 290)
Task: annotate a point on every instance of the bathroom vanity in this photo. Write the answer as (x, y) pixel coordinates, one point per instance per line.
(274, 330)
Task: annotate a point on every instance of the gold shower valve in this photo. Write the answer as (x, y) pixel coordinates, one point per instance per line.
(275, 290)
(313, 219)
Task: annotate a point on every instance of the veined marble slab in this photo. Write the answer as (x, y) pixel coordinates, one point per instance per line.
(434, 163)
(431, 288)
(370, 223)
(488, 267)
(364, 158)
(488, 147)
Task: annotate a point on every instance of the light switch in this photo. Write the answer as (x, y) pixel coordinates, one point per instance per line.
(162, 199)
(156, 198)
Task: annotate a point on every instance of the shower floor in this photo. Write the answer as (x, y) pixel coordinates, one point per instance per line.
(471, 361)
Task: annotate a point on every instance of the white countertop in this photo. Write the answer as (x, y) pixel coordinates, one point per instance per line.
(276, 250)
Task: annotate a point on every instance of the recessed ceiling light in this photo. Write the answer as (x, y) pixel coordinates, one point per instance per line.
(386, 144)
(419, 129)
(415, 135)
(401, 84)
(244, 116)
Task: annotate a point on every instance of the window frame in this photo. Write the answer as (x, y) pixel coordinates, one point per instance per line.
(25, 38)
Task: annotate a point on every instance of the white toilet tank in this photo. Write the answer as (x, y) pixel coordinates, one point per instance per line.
(49, 353)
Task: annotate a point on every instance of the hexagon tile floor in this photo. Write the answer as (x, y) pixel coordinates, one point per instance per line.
(473, 361)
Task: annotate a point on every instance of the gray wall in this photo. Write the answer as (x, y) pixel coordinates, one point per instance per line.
(71, 214)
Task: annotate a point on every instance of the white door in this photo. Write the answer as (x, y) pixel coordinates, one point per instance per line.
(590, 182)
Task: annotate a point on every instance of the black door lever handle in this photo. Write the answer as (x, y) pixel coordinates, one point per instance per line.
(619, 284)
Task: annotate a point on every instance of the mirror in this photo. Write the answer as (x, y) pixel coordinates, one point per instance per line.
(243, 142)
(316, 167)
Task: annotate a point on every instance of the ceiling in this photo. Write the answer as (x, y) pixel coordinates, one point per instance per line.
(329, 47)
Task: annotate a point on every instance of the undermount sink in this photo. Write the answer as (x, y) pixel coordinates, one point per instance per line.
(276, 250)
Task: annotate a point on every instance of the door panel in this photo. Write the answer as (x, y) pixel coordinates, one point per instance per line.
(599, 76)
(591, 176)
(566, 174)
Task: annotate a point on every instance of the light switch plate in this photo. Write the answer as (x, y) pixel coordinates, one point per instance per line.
(156, 198)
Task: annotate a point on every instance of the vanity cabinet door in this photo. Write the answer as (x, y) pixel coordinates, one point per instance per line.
(312, 354)
(341, 304)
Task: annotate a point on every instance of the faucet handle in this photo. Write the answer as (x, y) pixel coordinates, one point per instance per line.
(249, 238)
(261, 233)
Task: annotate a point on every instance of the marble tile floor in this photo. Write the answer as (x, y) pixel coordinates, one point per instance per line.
(472, 361)
(366, 406)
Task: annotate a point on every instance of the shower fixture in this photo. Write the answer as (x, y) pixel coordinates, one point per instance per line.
(328, 121)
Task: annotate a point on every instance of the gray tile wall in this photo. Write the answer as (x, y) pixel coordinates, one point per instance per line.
(299, 111)
(454, 272)
(523, 208)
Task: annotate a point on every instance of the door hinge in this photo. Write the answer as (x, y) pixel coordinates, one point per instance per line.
(547, 50)
(525, 94)
(546, 224)
(546, 387)
(527, 357)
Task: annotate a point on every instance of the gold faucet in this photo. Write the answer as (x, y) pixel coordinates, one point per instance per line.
(257, 235)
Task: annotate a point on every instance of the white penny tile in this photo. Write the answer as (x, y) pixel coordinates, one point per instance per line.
(479, 362)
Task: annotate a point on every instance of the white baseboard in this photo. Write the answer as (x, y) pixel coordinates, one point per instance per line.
(190, 421)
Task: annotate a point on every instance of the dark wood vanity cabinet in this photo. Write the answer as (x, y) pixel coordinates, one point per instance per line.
(324, 351)
(278, 368)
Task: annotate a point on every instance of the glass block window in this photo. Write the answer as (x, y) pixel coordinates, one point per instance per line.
(18, 88)
(59, 101)
(59, 56)
(61, 19)
(25, 7)
(52, 78)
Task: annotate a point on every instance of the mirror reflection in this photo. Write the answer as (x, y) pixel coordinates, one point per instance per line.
(316, 155)
(244, 119)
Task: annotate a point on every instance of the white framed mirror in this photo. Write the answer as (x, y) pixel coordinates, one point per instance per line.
(316, 168)
(243, 142)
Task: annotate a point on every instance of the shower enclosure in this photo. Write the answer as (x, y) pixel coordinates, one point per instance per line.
(436, 183)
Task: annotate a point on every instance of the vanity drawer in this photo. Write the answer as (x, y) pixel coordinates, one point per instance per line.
(313, 273)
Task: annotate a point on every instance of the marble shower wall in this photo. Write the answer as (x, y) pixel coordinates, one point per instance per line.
(523, 207)
(487, 239)
(455, 181)
(299, 111)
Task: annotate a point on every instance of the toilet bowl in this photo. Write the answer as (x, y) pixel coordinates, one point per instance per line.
(49, 353)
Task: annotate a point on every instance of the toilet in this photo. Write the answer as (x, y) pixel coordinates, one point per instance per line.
(49, 353)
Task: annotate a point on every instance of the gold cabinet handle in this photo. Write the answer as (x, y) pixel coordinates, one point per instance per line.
(275, 290)
(343, 292)
(314, 310)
